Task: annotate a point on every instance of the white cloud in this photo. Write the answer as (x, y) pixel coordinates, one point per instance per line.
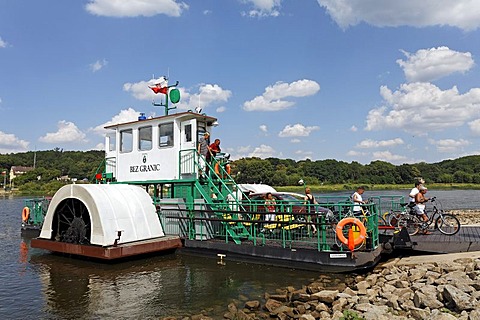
(97, 65)
(354, 153)
(207, 96)
(450, 145)
(124, 116)
(3, 44)
(304, 154)
(463, 14)
(431, 64)
(263, 128)
(140, 90)
(297, 130)
(135, 8)
(271, 100)
(295, 140)
(67, 132)
(388, 156)
(369, 143)
(418, 107)
(263, 151)
(264, 8)
(475, 126)
(10, 143)
(99, 146)
(221, 109)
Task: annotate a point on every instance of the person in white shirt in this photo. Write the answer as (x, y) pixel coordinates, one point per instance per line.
(414, 192)
(357, 200)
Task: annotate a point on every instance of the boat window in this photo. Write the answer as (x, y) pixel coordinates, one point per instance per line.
(166, 135)
(111, 142)
(188, 133)
(126, 140)
(145, 138)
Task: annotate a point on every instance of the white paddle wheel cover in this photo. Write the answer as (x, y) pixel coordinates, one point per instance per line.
(112, 208)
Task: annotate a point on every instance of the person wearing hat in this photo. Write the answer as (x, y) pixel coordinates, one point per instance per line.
(420, 200)
(203, 149)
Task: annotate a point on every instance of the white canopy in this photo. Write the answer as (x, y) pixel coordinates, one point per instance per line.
(112, 208)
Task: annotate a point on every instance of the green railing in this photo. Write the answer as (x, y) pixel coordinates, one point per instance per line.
(292, 228)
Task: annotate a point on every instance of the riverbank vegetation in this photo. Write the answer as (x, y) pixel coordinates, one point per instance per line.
(54, 168)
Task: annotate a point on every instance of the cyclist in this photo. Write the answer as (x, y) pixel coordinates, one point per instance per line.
(415, 190)
(420, 200)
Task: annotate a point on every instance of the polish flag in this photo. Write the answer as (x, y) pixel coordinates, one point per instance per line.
(159, 85)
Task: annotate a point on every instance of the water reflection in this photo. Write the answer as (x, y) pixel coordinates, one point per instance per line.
(169, 285)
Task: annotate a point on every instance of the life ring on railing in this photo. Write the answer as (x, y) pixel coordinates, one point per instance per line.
(355, 222)
(226, 167)
(25, 214)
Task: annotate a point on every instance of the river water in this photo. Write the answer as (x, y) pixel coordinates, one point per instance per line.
(36, 284)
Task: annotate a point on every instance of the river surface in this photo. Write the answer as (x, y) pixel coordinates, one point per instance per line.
(36, 284)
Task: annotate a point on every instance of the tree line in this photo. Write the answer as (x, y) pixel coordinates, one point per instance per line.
(51, 164)
(287, 172)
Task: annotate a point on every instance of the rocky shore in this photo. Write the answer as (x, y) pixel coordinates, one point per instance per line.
(467, 216)
(437, 287)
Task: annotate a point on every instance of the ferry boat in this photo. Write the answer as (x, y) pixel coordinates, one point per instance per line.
(153, 193)
(33, 214)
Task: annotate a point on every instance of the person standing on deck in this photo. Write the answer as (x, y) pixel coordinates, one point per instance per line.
(204, 151)
(270, 204)
(310, 200)
(358, 200)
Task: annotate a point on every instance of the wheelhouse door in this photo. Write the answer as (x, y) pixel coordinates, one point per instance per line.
(188, 147)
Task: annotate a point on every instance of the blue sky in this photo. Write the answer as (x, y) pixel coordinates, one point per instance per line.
(322, 79)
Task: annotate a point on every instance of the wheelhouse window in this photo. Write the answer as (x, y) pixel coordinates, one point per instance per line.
(145, 138)
(126, 140)
(111, 142)
(188, 133)
(165, 135)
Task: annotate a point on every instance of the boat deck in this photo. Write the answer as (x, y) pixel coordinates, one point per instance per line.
(467, 239)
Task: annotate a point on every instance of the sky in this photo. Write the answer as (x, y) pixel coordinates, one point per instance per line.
(351, 80)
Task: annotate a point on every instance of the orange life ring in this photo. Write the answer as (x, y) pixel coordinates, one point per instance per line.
(356, 222)
(226, 167)
(25, 214)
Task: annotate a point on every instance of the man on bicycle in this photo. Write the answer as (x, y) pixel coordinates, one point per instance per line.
(415, 190)
(420, 200)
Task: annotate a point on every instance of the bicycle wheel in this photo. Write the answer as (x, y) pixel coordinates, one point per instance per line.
(448, 224)
(410, 223)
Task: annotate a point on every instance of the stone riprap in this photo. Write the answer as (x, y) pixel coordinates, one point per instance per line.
(467, 216)
(439, 287)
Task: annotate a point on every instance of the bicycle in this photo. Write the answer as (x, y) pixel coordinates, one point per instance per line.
(392, 217)
(446, 223)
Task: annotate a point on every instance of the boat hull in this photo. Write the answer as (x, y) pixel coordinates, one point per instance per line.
(125, 250)
(306, 259)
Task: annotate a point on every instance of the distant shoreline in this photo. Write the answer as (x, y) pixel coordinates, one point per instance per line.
(349, 187)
